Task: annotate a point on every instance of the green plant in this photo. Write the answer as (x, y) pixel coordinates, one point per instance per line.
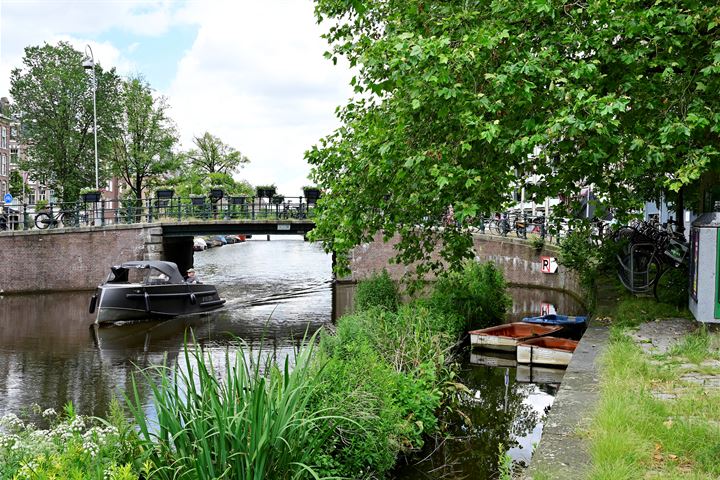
(41, 205)
(505, 464)
(88, 190)
(377, 291)
(537, 242)
(73, 447)
(255, 423)
(477, 295)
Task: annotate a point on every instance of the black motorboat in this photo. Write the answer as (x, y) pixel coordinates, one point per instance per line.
(142, 290)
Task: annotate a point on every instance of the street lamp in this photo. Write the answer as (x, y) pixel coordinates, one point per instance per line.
(89, 64)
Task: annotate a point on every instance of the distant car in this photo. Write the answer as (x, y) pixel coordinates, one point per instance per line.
(199, 244)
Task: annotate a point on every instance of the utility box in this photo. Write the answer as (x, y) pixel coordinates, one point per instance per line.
(704, 267)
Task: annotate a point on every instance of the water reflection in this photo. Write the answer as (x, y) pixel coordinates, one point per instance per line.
(277, 292)
(506, 405)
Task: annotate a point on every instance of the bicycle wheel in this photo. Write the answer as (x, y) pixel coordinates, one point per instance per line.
(43, 220)
(69, 220)
(671, 286)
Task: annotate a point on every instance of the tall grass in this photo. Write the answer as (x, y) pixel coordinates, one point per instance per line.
(255, 423)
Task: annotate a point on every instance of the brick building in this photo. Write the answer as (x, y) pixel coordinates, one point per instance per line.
(12, 151)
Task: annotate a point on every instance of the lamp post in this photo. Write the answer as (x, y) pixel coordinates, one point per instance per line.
(89, 64)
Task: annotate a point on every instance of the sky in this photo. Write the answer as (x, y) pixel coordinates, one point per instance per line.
(250, 72)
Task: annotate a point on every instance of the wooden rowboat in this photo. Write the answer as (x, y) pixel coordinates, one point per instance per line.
(508, 336)
(546, 351)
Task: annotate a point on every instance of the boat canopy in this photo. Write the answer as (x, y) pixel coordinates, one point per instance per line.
(120, 272)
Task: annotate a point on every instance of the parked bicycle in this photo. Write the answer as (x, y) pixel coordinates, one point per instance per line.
(651, 259)
(48, 219)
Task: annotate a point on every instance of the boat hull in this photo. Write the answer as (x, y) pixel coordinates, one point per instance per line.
(573, 326)
(127, 302)
(546, 351)
(507, 337)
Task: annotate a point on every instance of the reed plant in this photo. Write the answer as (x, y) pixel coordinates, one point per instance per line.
(251, 421)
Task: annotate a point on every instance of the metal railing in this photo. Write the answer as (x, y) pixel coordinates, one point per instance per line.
(151, 210)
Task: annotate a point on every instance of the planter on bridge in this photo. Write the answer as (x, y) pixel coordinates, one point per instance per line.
(164, 193)
(312, 194)
(237, 200)
(216, 194)
(91, 196)
(278, 199)
(266, 191)
(197, 200)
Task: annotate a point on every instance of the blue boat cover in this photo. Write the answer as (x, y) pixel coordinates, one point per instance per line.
(555, 319)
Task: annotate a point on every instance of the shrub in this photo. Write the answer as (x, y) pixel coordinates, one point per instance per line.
(377, 291)
(476, 295)
(384, 370)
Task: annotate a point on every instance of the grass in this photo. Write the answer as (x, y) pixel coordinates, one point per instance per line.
(651, 422)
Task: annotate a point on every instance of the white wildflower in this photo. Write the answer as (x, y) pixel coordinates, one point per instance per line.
(12, 422)
(91, 447)
(77, 425)
(49, 412)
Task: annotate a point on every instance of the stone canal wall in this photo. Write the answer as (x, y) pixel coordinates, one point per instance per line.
(78, 259)
(517, 258)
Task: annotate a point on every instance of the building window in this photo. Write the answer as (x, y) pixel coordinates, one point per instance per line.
(2, 188)
(3, 140)
(3, 165)
(31, 196)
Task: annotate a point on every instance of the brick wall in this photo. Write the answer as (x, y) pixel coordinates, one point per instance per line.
(517, 259)
(52, 260)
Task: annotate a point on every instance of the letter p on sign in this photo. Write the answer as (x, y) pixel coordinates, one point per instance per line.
(548, 265)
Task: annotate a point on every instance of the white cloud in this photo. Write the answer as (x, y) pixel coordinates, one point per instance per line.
(255, 75)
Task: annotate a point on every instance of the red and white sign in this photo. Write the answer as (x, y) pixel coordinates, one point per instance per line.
(548, 265)
(547, 308)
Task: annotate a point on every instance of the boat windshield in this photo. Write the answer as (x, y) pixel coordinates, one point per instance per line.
(146, 276)
(155, 277)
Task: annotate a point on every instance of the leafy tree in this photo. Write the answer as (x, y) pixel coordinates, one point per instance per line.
(16, 183)
(458, 101)
(143, 145)
(214, 156)
(53, 97)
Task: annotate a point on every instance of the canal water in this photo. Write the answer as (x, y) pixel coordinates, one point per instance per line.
(277, 292)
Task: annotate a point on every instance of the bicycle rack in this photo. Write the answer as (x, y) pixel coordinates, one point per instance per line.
(636, 281)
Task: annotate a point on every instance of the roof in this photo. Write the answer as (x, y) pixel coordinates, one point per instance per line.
(168, 268)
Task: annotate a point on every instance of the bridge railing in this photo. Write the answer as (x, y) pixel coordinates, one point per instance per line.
(153, 210)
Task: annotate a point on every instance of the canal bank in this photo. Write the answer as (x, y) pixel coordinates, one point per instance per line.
(639, 399)
(563, 452)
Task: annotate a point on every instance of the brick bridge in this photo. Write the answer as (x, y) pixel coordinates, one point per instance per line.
(79, 258)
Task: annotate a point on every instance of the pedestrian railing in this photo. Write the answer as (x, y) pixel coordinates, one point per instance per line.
(152, 210)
